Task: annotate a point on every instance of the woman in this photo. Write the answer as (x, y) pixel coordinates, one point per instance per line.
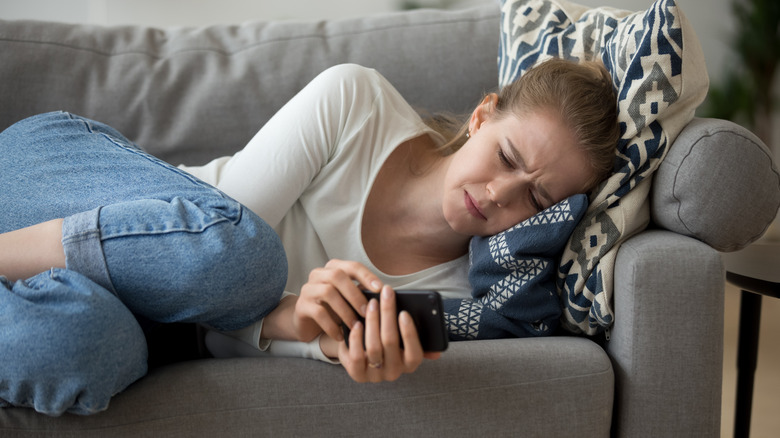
(346, 170)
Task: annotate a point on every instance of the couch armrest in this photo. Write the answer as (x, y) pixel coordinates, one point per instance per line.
(667, 342)
(718, 183)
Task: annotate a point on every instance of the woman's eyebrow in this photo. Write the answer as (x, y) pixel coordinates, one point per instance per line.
(521, 164)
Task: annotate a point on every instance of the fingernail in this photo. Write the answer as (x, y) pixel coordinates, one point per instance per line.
(372, 305)
(404, 317)
(386, 293)
(376, 285)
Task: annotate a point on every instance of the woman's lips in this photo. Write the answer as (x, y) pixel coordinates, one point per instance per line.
(473, 207)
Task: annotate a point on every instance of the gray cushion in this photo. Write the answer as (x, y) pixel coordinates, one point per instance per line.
(477, 388)
(717, 184)
(190, 94)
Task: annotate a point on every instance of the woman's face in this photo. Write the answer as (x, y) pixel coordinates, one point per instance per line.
(510, 169)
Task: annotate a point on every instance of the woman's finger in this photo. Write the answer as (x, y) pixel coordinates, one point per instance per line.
(378, 356)
(412, 352)
(432, 355)
(345, 274)
(373, 340)
(359, 272)
(391, 341)
(340, 292)
(312, 316)
(353, 358)
(334, 289)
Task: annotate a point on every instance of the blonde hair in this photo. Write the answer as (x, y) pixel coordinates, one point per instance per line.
(581, 94)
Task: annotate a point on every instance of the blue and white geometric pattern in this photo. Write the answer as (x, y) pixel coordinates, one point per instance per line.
(513, 277)
(560, 212)
(659, 75)
(521, 272)
(464, 324)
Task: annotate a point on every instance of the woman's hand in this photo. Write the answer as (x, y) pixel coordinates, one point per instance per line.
(382, 359)
(331, 297)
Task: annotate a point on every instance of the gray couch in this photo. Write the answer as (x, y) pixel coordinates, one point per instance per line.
(188, 95)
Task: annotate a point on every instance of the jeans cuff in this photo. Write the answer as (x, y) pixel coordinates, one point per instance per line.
(83, 248)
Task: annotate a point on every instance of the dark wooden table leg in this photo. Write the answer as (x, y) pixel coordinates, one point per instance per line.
(747, 355)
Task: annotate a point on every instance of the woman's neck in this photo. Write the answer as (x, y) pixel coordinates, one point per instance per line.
(405, 209)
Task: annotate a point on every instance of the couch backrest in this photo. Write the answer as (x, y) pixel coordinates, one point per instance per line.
(191, 94)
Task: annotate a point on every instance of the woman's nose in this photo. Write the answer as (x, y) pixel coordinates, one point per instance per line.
(502, 191)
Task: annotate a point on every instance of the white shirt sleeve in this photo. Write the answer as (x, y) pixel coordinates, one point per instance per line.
(278, 164)
(223, 346)
(251, 335)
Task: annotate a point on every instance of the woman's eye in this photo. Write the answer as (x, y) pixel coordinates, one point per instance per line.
(504, 159)
(535, 203)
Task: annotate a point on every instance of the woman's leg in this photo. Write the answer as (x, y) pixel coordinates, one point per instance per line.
(139, 238)
(169, 246)
(31, 250)
(66, 344)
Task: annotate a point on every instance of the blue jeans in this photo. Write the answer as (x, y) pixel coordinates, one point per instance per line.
(143, 241)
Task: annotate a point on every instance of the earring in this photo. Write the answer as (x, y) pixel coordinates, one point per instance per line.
(468, 134)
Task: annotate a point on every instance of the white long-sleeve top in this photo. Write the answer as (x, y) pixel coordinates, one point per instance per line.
(308, 173)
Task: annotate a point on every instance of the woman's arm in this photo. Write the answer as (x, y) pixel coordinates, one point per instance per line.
(279, 163)
(277, 166)
(332, 295)
(329, 297)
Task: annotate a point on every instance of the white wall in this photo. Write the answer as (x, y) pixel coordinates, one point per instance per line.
(187, 12)
(710, 18)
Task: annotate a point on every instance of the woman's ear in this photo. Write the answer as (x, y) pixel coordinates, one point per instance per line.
(483, 112)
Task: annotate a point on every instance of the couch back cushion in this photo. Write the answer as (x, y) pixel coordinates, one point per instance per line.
(191, 94)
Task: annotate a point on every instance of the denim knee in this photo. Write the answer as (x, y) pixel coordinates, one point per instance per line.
(240, 275)
(227, 269)
(257, 286)
(67, 345)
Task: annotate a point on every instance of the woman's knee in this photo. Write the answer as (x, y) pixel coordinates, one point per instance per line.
(253, 270)
(74, 345)
(213, 262)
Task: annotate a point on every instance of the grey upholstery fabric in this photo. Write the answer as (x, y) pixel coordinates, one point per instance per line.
(667, 342)
(496, 388)
(717, 184)
(189, 95)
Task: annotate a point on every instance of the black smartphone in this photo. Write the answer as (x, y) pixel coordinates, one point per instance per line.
(426, 311)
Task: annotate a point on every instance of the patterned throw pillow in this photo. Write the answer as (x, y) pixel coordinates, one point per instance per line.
(512, 275)
(658, 70)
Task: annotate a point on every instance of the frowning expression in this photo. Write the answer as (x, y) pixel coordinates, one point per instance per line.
(511, 168)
